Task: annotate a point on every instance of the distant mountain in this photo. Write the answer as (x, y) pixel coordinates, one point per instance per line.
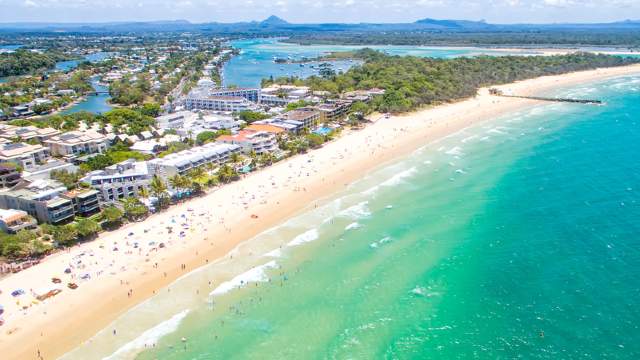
(455, 24)
(276, 25)
(274, 21)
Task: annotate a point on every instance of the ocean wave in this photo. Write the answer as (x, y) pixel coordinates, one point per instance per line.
(257, 274)
(274, 253)
(358, 211)
(353, 226)
(423, 292)
(149, 337)
(305, 237)
(392, 181)
(456, 150)
(377, 244)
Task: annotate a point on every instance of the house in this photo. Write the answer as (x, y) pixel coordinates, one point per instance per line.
(43, 171)
(26, 133)
(12, 221)
(66, 92)
(259, 142)
(22, 111)
(123, 180)
(22, 154)
(74, 143)
(40, 199)
(9, 175)
(149, 147)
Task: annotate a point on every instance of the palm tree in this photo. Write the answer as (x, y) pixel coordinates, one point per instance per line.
(143, 193)
(158, 189)
(234, 158)
(266, 158)
(176, 181)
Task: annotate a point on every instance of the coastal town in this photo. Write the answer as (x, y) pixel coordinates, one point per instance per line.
(175, 131)
(209, 180)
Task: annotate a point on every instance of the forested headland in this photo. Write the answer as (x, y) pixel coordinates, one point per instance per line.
(411, 82)
(23, 61)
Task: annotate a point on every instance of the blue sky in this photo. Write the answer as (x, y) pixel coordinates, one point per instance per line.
(301, 11)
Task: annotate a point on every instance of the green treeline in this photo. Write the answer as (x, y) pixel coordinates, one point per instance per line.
(21, 62)
(618, 38)
(411, 82)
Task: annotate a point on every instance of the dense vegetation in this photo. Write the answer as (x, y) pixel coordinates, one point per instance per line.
(23, 61)
(411, 82)
(629, 38)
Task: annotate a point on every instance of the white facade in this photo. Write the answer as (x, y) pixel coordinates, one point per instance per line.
(119, 181)
(74, 143)
(183, 161)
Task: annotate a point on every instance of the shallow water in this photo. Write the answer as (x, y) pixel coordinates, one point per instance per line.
(256, 60)
(514, 238)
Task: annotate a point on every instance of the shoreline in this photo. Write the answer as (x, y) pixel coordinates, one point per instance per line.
(274, 194)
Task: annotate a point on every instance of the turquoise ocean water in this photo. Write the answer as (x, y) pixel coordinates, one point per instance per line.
(516, 238)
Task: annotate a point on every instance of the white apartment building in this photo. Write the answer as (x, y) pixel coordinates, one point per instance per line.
(74, 143)
(183, 161)
(219, 103)
(259, 142)
(24, 155)
(173, 121)
(119, 181)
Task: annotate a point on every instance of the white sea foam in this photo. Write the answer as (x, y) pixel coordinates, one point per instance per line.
(149, 337)
(305, 237)
(274, 253)
(377, 244)
(358, 211)
(456, 150)
(257, 274)
(353, 226)
(423, 292)
(465, 140)
(392, 181)
(497, 130)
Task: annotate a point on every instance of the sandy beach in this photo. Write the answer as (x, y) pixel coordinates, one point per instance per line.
(123, 268)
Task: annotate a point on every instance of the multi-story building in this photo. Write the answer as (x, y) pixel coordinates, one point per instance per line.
(173, 121)
(123, 180)
(219, 103)
(85, 201)
(281, 95)
(25, 133)
(259, 142)
(12, 221)
(183, 161)
(309, 117)
(22, 154)
(333, 111)
(9, 175)
(251, 94)
(41, 199)
(75, 143)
